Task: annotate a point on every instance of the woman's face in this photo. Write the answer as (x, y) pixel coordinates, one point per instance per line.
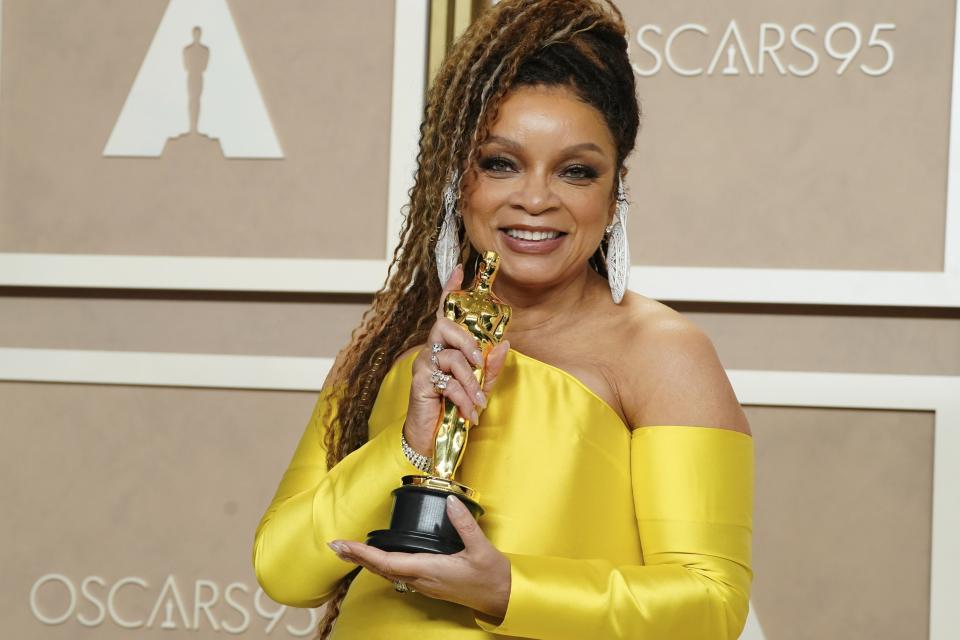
(543, 191)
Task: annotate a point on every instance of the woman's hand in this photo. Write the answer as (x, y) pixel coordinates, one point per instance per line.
(460, 355)
(477, 577)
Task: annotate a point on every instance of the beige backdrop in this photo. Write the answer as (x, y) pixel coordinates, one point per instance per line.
(165, 485)
(817, 172)
(67, 69)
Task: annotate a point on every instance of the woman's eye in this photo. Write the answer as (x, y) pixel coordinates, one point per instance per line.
(581, 172)
(496, 164)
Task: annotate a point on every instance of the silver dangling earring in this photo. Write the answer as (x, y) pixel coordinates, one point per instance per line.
(447, 250)
(618, 251)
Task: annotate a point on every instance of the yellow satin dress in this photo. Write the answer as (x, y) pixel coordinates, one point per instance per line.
(610, 533)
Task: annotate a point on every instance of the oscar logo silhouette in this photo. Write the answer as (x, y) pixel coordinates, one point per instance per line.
(196, 58)
(196, 55)
(419, 520)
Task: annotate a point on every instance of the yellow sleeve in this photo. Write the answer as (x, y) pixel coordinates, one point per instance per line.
(312, 506)
(693, 497)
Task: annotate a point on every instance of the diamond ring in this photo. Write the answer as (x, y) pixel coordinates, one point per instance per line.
(403, 587)
(440, 380)
(434, 350)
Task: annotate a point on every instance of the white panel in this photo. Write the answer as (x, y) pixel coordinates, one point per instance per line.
(410, 40)
(164, 369)
(706, 284)
(945, 531)
(160, 272)
(231, 106)
(798, 286)
(951, 252)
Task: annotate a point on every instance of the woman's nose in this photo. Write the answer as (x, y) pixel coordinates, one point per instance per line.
(534, 193)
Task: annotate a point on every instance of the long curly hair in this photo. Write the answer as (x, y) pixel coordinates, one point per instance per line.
(580, 44)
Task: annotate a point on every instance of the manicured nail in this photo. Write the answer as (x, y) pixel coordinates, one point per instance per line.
(338, 547)
(474, 418)
(477, 356)
(456, 504)
(482, 399)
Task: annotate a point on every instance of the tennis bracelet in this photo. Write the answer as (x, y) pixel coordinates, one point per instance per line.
(420, 461)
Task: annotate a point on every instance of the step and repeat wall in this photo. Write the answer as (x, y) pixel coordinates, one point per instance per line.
(197, 199)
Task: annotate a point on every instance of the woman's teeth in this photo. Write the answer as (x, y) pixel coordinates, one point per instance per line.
(524, 234)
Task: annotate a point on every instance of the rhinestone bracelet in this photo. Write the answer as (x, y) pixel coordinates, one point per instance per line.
(420, 461)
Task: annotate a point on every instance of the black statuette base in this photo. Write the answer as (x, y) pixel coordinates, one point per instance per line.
(419, 522)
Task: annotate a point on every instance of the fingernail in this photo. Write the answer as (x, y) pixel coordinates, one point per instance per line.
(474, 417)
(338, 548)
(477, 356)
(456, 504)
(482, 399)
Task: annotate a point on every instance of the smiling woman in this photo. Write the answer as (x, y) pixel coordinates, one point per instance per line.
(614, 461)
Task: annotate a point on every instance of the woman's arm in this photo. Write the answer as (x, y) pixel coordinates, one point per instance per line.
(313, 506)
(693, 496)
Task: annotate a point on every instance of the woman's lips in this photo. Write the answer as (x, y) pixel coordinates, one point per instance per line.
(531, 246)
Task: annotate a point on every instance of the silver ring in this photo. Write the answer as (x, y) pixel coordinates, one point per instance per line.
(403, 587)
(440, 380)
(437, 347)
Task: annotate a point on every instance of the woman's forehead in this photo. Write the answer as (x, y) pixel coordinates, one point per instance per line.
(549, 116)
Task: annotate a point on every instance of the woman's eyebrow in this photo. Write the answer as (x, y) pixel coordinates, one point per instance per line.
(515, 146)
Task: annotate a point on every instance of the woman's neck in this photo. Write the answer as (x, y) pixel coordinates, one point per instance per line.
(540, 310)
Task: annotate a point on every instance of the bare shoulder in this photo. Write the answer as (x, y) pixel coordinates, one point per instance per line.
(673, 373)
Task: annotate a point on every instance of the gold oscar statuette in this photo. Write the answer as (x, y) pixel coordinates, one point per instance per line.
(419, 522)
